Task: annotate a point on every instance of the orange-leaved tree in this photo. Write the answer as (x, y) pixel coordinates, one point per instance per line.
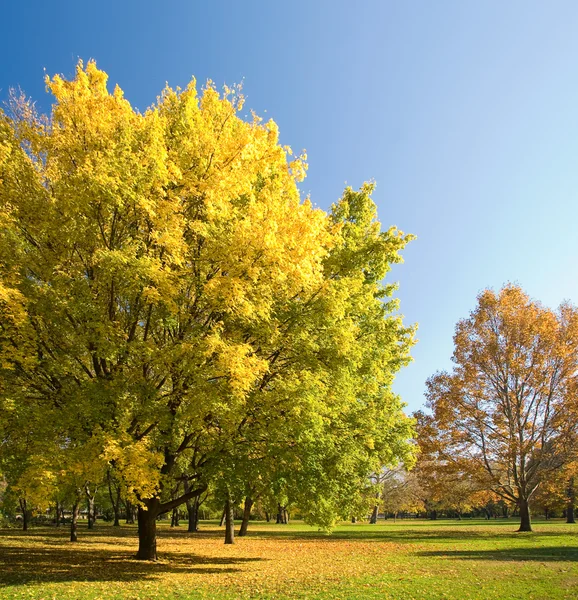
(501, 414)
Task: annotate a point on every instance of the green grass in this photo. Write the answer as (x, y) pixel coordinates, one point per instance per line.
(419, 560)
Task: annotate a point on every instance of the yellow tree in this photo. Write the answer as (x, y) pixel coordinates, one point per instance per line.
(163, 284)
(500, 415)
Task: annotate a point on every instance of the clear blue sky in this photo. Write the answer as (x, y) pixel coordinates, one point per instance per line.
(465, 113)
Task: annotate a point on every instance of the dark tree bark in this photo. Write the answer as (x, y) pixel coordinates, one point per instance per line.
(246, 516)
(59, 514)
(229, 522)
(114, 495)
(147, 529)
(373, 517)
(25, 514)
(90, 508)
(74, 522)
(525, 522)
(147, 521)
(175, 518)
(193, 514)
(267, 516)
(128, 512)
(571, 494)
(281, 515)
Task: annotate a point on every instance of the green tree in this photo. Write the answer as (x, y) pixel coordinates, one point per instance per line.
(167, 296)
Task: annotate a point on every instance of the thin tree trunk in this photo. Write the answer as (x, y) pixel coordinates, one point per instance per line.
(57, 515)
(571, 501)
(90, 509)
(229, 522)
(129, 512)
(74, 522)
(246, 516)
(267, 516)
(115, 501)
(175, 518)
(223, 517)
(525, 523)
(25, 513)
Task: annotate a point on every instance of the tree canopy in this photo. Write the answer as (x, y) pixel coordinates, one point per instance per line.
(170, 307)
(501, 415)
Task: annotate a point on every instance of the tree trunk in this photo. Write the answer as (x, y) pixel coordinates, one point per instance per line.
(571, 501)
(91, 510)
(525, 523)
(25, 513)
(353, 519)
(59, 518)
(246, 516)
(147, 529)
(267, 516)
(114, 499)
(373, 517)
(433, 515)
(129, 512)
(175, 518)
(229, 523)
(74, 522)
(193, 514)
(223, 517)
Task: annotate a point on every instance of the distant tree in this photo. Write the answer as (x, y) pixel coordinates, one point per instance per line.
(399, 492)
(500, 415)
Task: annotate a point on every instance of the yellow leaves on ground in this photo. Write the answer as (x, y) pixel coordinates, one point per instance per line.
(410, 559)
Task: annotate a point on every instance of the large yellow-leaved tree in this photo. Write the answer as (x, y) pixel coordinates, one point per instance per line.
(167, 297)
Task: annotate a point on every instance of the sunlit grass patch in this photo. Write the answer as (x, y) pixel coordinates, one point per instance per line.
(407, 559)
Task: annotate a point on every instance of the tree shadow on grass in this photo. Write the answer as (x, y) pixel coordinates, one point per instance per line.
(21, 565)
(556, 554)
(401, 536)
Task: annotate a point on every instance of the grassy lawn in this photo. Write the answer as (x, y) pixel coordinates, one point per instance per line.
(408, 559)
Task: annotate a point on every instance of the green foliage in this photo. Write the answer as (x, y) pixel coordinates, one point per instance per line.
(169, 307)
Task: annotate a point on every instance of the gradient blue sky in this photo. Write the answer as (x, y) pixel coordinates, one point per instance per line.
(465, 113)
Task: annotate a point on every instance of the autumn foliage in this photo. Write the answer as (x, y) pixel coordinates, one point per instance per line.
(503, 415)
(173, 311)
